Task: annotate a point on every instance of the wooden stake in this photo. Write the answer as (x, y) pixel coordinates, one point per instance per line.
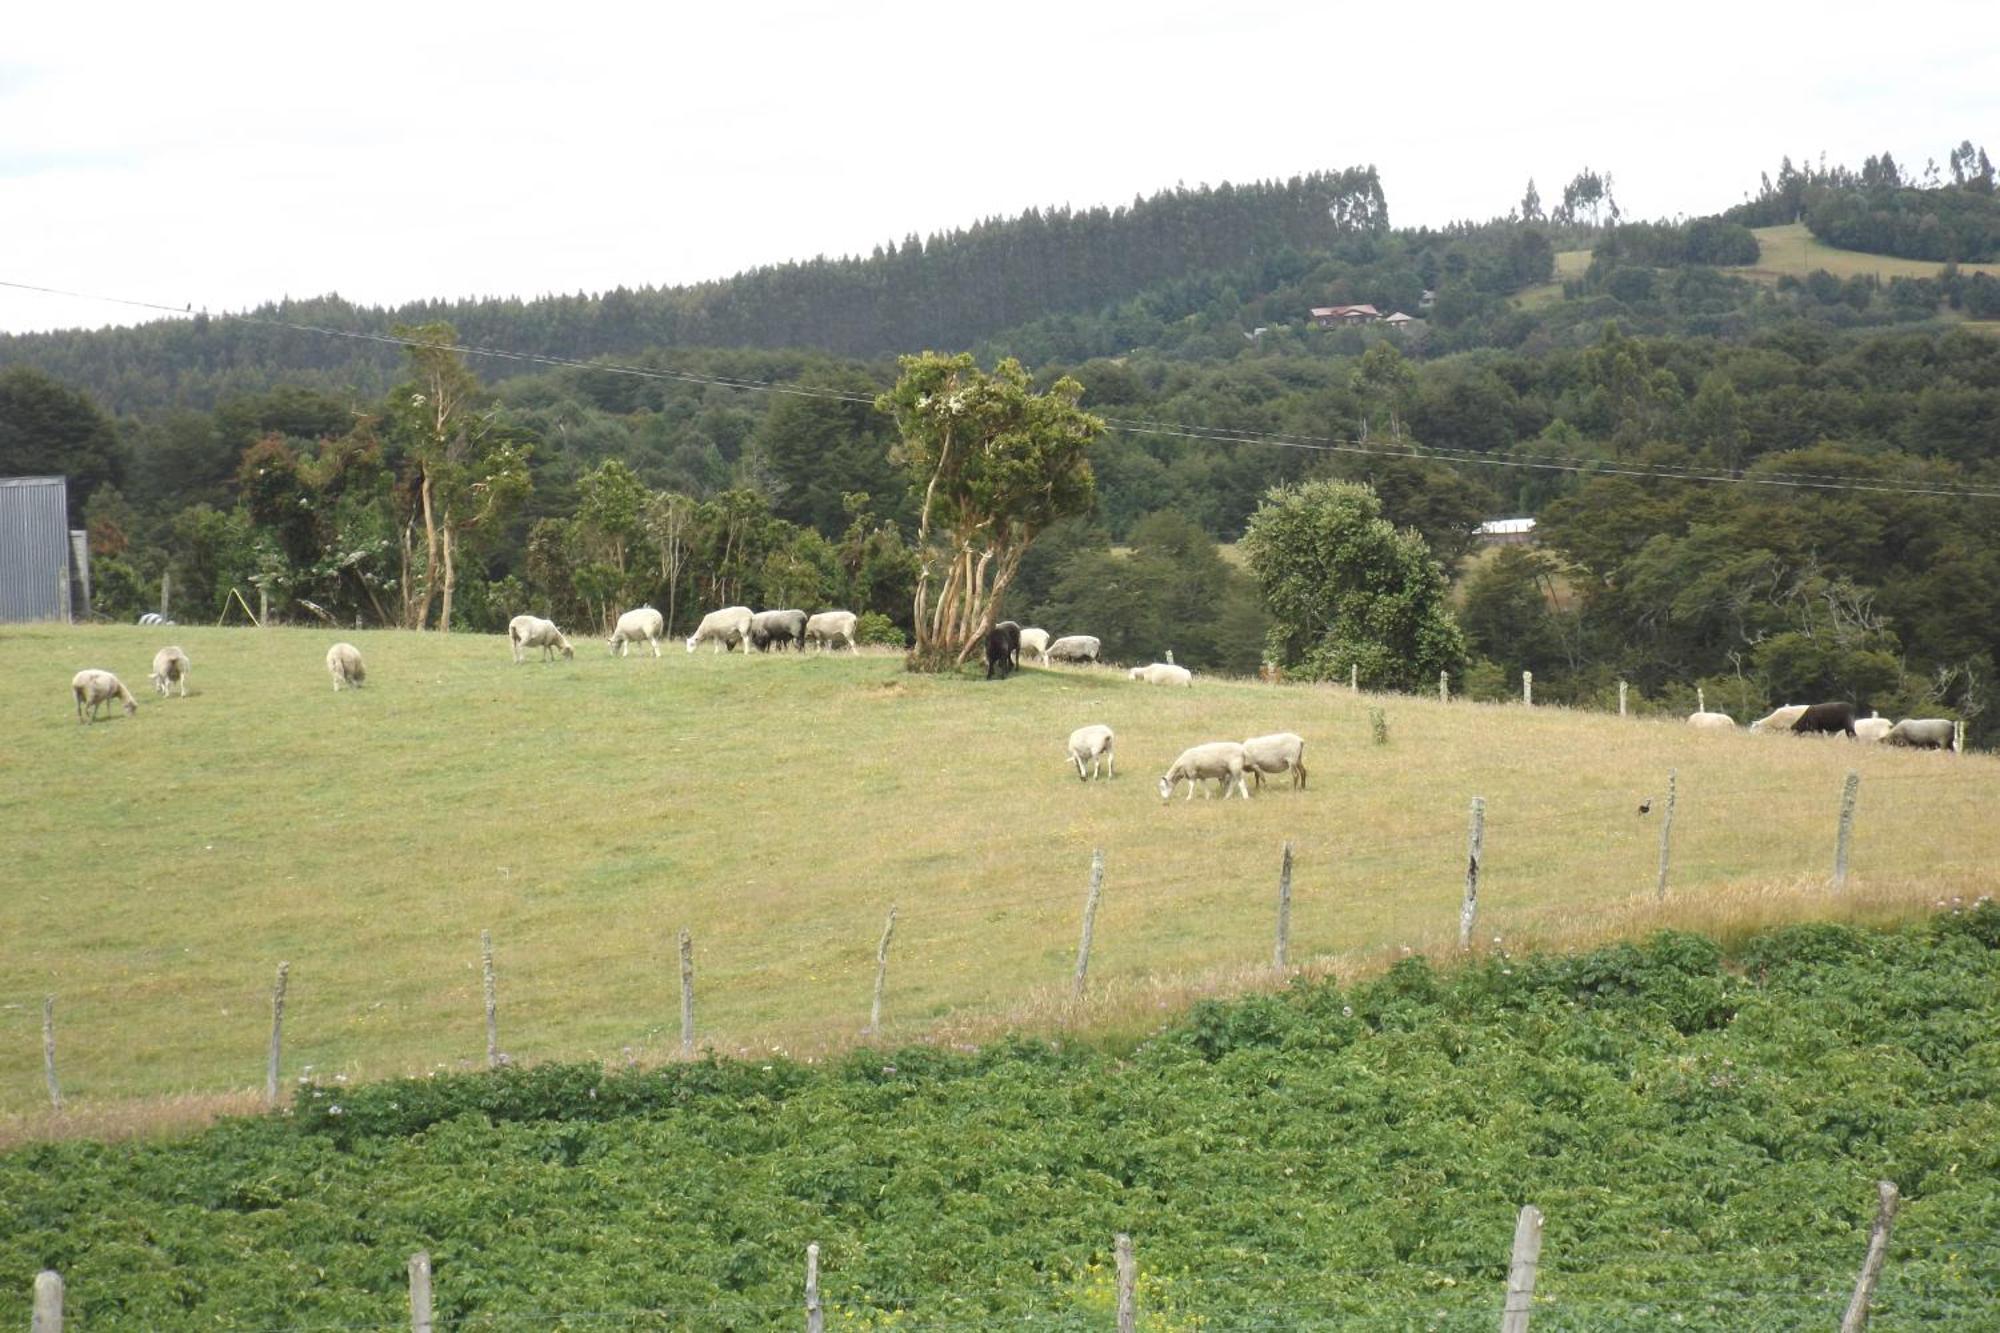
(1089, 921)
(1354, 676)
(1128, 1282)
(1444, 687)
(1871, 1267)
(881, 972)
(166, 587)
(420, 1292)
(1848, 791)
(49, 1052)
(48, 1316)
(687, 995)
(1666, 837)
(277, 1037)
(1284, 909)
(1621, 698)
(815, 1320)
(1700, 700)
(263, 606)
(1528, 688)
(1521, 1272)
(1958, 737)
(1474, 849)
(492, 1000)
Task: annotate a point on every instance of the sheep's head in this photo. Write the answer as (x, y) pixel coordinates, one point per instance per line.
(1167, 788)
(569, 653)
(692, 640)
(130, 708)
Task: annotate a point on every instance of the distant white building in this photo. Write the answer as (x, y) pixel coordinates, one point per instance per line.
(1506, 531)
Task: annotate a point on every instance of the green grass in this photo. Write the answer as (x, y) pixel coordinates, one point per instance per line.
(159, 867)
(1790, 251)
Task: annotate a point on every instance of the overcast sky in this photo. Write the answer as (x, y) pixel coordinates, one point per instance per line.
(221, 156)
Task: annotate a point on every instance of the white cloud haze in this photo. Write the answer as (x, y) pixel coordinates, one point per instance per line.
(228, 155)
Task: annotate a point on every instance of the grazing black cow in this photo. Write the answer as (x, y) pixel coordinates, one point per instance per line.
(1003, 649)
(1828, 718)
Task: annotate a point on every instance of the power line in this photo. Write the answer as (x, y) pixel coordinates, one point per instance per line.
(1130, 426)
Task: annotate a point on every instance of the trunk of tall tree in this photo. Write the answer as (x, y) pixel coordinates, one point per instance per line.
(430, 556)
(450, 577)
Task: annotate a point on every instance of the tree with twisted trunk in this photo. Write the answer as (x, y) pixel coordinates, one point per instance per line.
(998, 463)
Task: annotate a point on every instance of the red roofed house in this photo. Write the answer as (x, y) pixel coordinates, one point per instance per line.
(1333, 316)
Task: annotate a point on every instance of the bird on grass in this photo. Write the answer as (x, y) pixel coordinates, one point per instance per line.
(1646, 806)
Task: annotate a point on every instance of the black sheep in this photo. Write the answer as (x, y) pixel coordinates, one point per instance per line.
(1003, 649)
(1825, 718)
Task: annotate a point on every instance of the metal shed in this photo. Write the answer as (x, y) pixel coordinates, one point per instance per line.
(36, 575)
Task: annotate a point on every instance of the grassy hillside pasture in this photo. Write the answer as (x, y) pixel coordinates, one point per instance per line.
(158, 868)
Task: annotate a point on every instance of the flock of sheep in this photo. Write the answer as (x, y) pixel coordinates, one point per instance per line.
(1920, 733)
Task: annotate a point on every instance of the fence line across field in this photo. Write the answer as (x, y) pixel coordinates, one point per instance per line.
(1516, 1303)
(1348, 865)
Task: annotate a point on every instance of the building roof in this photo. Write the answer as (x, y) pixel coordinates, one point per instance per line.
(1332, 311)
(1503, 527)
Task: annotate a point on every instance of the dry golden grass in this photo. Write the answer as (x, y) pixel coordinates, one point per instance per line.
(160, 867)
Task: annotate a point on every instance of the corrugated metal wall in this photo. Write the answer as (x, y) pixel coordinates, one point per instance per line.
(34, 548)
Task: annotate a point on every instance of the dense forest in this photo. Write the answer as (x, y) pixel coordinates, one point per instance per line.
(1772, 491)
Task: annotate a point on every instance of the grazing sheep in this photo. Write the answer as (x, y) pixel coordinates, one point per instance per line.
(1276, 753)
(828, 628)
(1779, 719)
(1092, 745)
(1163, 673)
(343, 663)
(1003, 649)
(1872, 728)
(770, 629)
(94, 687)
(1221, 760)
(1711, 722)
(525, 632)
(1824, 719)
(725, 629)
(170, 667)
(1922, 733)
(1036, 641)
(642, 623)
(1072, 648)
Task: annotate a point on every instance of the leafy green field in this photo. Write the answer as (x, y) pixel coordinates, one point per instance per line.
(584, 812)
(1702, 1137)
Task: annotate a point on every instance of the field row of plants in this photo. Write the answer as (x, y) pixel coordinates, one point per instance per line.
(1703, 1134)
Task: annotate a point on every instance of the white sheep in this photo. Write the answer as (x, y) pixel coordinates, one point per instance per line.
(828, 628)
(1874, 728)
(725, 629)
(525, 632)
(641, 623)
(1092, 745)
(170, 667)
(1163, 673)
(1779, 719)
(1279, 752)
(1036, 641)
(1221, 760)
(343, 663)
(94, 687)
(1711, 722)
(1072, 648)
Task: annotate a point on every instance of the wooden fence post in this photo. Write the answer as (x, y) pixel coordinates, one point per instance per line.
(1089, 921)
(48, 1314)
(277, 1037)
(881, 972)
(1521, 1271)
(687, 994)
(263, 606)
(1528, 688)
(1848, 791)
(492, 1000)
(49, 1052)
(420, 1292)
(1666, 838)
(1444, 687)
(166, 587)
(1128, 1283)
(1871, 1267)
(1284, 948)
(1958, 736)
(1354, 676)
(1700, 700)
(815, 1319)
(1475, 846)
(1621, 698)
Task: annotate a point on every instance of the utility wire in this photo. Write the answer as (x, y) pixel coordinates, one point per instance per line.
(1130, 426)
